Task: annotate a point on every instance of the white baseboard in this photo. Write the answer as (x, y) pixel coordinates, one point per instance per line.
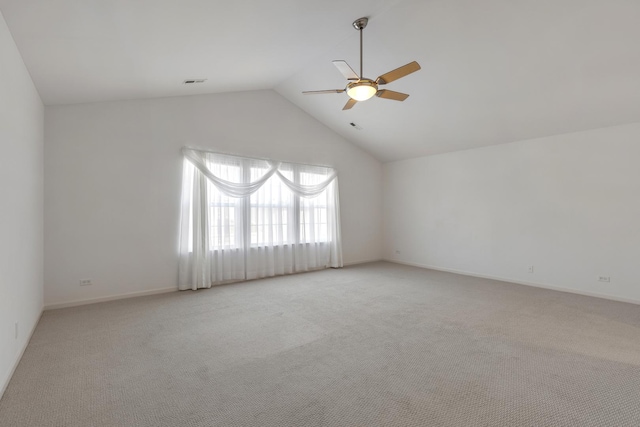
(364, 261)
(516, 281)
(4, 386)
(109, 298)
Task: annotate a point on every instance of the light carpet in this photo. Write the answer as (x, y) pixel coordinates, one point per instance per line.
(371, 345)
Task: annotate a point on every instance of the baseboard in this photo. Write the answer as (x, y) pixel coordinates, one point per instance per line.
(4, 386)
(109, 298)
(364, 261)
(516, 281)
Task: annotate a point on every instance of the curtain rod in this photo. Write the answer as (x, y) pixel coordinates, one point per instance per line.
(208, 150)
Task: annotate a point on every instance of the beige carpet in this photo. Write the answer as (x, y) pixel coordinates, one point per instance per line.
(370, 345)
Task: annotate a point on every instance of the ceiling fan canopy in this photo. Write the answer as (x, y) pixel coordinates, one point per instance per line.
(361, 88)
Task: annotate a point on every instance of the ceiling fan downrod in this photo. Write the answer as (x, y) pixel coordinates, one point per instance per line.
(360, 24)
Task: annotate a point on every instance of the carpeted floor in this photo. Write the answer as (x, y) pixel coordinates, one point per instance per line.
(370, 345)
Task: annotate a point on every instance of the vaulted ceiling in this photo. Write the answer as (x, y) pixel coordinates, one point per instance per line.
(493, 71)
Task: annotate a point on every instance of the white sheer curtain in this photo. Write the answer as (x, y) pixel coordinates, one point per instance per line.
(247, 218)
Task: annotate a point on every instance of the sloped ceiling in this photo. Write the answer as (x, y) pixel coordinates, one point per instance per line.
(493, 71)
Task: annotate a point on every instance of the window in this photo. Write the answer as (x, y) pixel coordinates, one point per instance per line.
(275, 215)
(246, 218)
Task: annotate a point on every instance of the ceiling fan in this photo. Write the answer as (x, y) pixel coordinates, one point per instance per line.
(361, 88)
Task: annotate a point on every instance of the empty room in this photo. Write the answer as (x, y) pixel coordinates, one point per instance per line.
(326, 214)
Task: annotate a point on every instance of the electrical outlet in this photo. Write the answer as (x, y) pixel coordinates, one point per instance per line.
(16, 330)
(531, 269)
(86, 282)
(604, 279)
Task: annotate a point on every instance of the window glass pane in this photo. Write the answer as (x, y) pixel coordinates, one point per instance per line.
(222, 224)
(223, 210)
(313, 211)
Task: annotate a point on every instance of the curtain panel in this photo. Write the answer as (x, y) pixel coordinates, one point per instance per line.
(244, 218)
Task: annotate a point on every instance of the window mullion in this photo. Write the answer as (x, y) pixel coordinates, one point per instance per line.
(296, 209)
(245, 204)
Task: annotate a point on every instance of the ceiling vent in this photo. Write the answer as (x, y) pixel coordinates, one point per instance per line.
(192, 81)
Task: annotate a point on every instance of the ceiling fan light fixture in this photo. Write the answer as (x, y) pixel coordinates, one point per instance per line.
(362, 90)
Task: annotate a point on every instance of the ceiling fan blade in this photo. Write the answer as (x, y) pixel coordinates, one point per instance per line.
(350, 103)
(346, 70)
(315, 92)
(389, 94)
(398, 73)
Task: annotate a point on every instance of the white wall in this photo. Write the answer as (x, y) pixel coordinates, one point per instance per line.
(569, 205)
(112, 183)
(21, 139)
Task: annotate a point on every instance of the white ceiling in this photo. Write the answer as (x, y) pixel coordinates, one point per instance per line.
(493, 71)
(98, 50)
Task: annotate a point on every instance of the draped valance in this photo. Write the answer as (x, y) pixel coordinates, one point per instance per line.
(241, 189)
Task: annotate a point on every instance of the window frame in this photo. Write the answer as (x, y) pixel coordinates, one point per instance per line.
(244, 209)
